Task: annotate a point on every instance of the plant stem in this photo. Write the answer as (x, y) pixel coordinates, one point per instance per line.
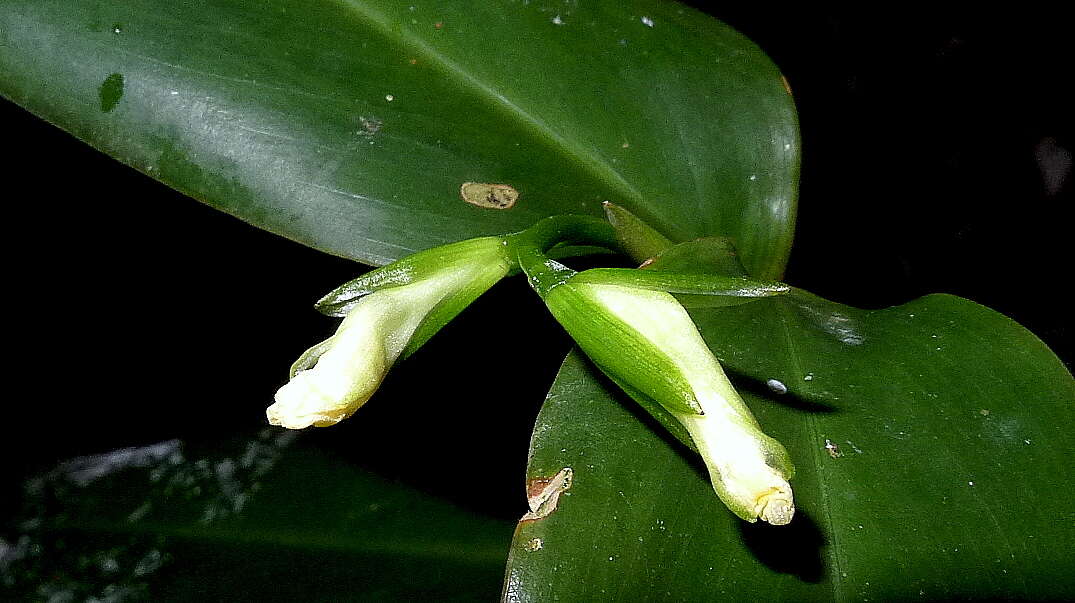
(570, 229)
(529, 247)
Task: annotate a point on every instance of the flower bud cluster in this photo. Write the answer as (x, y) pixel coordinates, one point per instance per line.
(626, 321)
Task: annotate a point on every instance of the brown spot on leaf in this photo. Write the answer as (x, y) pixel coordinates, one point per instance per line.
(491, 196)
(787, 86)
(543, 493)
(834, 450)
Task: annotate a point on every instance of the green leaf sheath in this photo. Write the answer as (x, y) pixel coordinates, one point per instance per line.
(350, 126)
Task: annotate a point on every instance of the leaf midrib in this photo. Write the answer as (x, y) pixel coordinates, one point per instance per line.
(792, 357)
(590, 161)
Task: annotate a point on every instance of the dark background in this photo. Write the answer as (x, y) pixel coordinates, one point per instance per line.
(937, 158)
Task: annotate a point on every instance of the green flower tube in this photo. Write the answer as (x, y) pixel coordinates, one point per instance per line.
(389, 313)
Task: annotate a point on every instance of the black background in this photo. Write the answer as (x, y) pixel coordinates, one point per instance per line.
(929, 140)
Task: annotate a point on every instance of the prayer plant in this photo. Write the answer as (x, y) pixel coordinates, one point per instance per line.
(637, 164)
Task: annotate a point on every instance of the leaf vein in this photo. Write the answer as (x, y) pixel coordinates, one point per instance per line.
(826, 506)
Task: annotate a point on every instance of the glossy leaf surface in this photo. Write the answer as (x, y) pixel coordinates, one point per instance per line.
(351, 126)
(933, 452)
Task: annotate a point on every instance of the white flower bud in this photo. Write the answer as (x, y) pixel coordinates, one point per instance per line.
(377, 330)
(749, 470)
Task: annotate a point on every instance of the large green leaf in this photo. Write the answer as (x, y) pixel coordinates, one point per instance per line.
(351, 125)
(934, 456)
(264, 517)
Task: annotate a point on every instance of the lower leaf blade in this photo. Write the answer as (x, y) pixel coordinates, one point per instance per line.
(923, 473)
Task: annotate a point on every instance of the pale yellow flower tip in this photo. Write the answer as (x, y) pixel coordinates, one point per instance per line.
(357, 359)
(777, 507)
(342, 381)
(301, 403)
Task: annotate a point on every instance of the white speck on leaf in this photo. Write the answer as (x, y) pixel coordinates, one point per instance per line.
(647, 21)
(776, 386)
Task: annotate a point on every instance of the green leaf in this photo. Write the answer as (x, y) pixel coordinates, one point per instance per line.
(352, 126)
(265, 517)
(933, 452)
